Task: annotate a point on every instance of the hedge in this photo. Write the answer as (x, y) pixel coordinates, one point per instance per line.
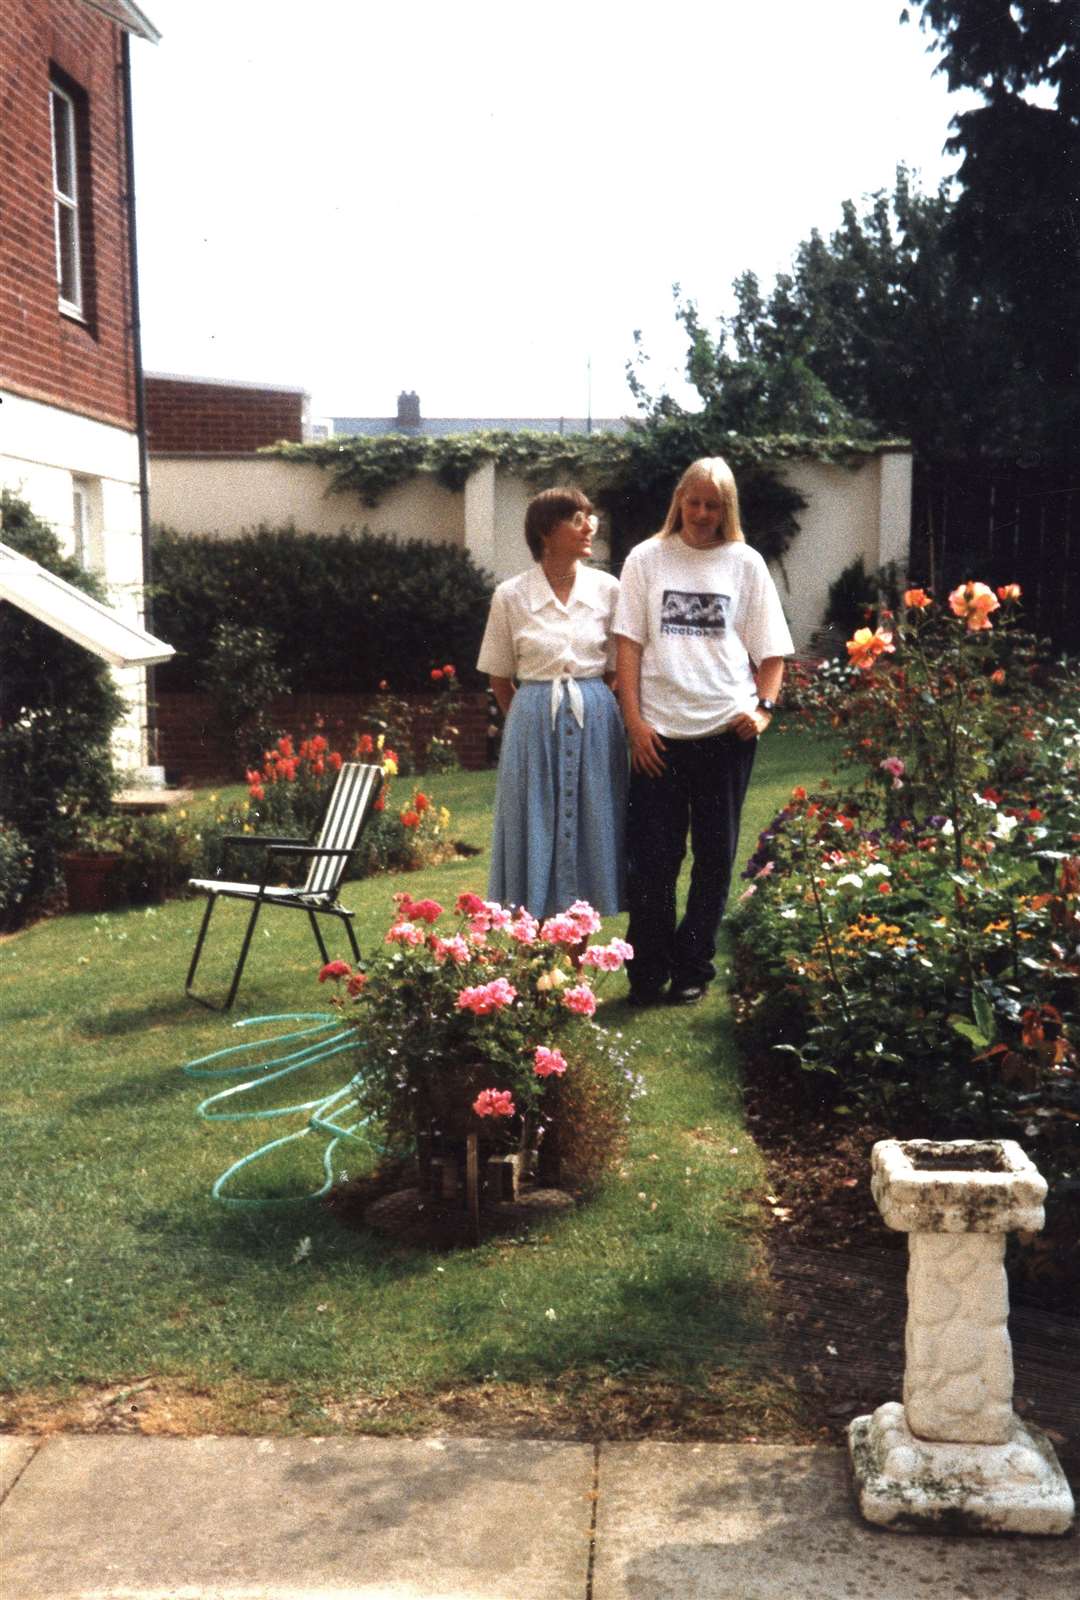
(343, 611)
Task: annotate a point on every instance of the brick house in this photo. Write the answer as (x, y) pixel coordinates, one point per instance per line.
(72, 443)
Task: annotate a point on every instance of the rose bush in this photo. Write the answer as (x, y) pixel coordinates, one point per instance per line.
(908, 940)
(479, 1020)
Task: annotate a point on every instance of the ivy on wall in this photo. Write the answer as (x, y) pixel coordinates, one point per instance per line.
(630, 476)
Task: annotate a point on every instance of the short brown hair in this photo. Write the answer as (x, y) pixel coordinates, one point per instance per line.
(546, 510)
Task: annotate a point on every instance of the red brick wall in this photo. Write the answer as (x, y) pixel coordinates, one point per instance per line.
(43, 354)
(192, 748)
(183, 415)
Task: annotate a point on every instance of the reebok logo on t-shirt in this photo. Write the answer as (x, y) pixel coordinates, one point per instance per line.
(696, 614)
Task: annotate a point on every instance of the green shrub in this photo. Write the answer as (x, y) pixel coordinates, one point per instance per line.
(241, 677)
(16, 862)
(347, 610)
(58, 709)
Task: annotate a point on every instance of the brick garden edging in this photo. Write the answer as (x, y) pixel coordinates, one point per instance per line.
(194, 749)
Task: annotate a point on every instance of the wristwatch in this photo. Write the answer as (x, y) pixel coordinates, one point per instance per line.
(765, 704)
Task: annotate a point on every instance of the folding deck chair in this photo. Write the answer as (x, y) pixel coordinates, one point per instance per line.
(351, 803)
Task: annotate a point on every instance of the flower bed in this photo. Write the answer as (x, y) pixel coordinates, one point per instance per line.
(908, 942)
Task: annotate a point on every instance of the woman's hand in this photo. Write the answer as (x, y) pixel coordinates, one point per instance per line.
(749, 724)
(646, 747)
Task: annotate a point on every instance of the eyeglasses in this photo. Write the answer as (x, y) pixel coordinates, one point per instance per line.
(582, 520)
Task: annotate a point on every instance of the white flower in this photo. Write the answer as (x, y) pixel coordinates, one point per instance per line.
(851, 878)
(877, 869)
(550, 1313)
(1004, 826)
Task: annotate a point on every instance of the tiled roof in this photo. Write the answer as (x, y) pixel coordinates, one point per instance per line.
(431, 427)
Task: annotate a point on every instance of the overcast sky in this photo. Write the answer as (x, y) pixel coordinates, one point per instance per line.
(473, 199)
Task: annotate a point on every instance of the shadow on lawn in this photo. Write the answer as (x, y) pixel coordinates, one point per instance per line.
(119, 1020)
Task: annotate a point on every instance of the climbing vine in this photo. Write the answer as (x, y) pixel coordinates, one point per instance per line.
(630, 475)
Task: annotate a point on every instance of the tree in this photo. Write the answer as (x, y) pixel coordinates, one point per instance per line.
(1015, 229)
(871, 334)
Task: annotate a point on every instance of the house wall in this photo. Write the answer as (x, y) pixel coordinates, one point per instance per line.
(227, 495)
(46, 355)
(67, 389)
(45, 453)
(190, 414)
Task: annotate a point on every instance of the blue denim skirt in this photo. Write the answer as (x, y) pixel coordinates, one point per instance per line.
(560, 803)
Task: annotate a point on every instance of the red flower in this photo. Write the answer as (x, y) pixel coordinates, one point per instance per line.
(421, 801)
(449, 672)
(335, 969)
(1035, 815)
(425, 911)
(383, 684)
(1009, 591)
(318, 745)
(436, 675)
(799, 793)
(257, 792)
(380, 804)
(469, 905)
(355, 983)
(335, 760)
(410, 819)
(285, 746)
(365, 745)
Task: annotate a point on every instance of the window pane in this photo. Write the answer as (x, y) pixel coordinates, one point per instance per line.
(67, 253)
(63, 146)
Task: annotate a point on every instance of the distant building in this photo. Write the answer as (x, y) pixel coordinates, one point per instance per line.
(70, 381)
(409, 421)
(212, 416)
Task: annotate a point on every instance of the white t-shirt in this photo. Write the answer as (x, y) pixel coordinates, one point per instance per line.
(532, 634)
(704, 619)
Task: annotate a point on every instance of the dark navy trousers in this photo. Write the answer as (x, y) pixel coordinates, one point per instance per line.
(700, 793)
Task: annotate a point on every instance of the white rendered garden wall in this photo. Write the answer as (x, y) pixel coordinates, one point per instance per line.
(865, 511)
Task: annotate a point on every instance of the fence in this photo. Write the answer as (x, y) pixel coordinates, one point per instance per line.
(1003, 522)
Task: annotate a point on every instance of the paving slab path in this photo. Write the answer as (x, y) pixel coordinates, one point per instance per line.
(106, 1517)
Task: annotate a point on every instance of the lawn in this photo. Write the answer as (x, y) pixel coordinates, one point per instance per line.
(129, 1297)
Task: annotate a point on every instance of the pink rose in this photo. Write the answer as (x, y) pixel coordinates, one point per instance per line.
(561, 929)
(580, 999)
(455, 949)
(405, 933)
(494, 1103)
(548, 1062)
(587, 920)
(487, 997)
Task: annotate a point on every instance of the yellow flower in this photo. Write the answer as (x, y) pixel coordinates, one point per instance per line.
(380, 741)
(555, 979)
(444, 817)
(213, 799)
(388, 766)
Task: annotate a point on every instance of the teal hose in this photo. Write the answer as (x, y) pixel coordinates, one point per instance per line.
(327, 1038)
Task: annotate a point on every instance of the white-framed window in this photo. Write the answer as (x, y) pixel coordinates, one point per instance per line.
(65, 154)
(86, 523)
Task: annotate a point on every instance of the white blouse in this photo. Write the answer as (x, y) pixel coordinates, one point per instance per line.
(531, 634)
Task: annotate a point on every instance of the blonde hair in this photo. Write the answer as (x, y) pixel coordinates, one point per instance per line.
(716, 470)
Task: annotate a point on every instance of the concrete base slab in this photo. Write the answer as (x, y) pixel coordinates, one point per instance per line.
(776, 1522)
(916, 1485)
(15, 1456)
(295, 1519)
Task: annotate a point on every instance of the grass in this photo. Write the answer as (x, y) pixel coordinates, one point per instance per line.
(122, 1276)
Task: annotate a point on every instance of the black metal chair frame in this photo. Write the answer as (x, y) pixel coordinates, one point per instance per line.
(321, 902)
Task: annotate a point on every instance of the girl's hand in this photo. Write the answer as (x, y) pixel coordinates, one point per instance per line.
(646, 747)
(749, 724)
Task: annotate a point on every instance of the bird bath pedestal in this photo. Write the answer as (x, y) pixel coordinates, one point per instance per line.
(954, 1457)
